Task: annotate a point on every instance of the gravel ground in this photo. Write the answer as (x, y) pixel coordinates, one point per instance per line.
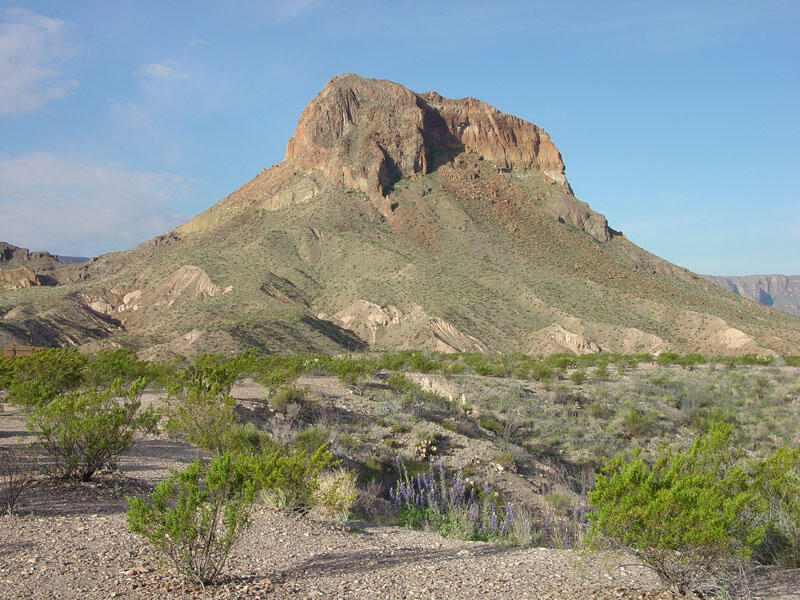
(69, 552)
(72, 541)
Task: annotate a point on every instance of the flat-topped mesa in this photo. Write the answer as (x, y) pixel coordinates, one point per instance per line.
(366, 134)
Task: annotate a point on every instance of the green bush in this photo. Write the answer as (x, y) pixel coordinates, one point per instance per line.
(577, 377)
(109, 365)
(204, 419)
(87, 430)
(312, 438)
(6, 372)
(195, 516)
(491, 424)
(687, 516)
(289, 477)
(287, 395)
(779, 480)
(45, 374)
(791, 361)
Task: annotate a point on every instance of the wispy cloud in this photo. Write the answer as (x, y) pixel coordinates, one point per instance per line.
(32, 47)
(166, 70)
(79, 207)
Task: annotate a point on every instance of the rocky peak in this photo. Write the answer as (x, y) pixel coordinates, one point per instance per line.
(366, 134)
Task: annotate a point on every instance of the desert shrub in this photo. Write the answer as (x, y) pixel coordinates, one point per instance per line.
(350, 370)
(195, 516)
(399, 382)
(577, 377)
(791, 361)
(638, 423)
(87, 430)
(6, 372)
(248, 439)
(491, 424)
(336, 494)
(16, 472)
(30, 393)
(285, 396)
(45, 374)
(109, 365)
(203, 418)
(450, 505)
(541, 372)
(779, 481)
(687, 516)
(505, 460)
(288, 478)
(310, 439)
(209, 373)
(746, 359)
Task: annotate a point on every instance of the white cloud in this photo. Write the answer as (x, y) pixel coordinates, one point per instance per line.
(78, 207)
(164, 71)
(32, 47)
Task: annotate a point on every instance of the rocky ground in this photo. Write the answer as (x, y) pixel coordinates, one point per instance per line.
(72, 541)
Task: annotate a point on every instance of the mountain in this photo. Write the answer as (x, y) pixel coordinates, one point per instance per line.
(778, 291)
(396, 220)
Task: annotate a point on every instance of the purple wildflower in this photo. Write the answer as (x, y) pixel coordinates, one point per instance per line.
(547, 530)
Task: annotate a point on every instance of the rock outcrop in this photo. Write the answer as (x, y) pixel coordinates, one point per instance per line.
(366, 134)
(388, 327)
(12, 279)
(778, 291)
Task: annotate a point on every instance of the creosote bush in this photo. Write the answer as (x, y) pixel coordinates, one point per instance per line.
(195, 517)
(84, 431)
(16, 472)
(688, 515)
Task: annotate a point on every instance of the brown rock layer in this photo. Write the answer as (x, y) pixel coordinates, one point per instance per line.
(366, 134)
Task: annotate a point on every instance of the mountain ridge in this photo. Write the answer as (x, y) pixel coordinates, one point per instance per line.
(781, 292)
(396, 220)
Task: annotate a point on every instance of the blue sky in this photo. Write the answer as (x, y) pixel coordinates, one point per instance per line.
(677, 120)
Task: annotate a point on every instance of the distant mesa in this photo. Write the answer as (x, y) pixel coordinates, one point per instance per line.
(781, 292)
(397, 220)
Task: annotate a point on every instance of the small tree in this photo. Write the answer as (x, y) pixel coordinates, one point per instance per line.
(196, 516)
(687, 516)
(87, 430)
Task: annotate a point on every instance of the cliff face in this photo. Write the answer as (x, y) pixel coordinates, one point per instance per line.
(366, 134)
(778, 291)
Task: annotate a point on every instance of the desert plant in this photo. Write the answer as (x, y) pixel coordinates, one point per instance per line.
(52, 370)
(87, 430)
(107, 365)
(195, 516)
(203, 418)
(288, 478)
(312, 438)
(285, 396)
(16, 472)
(336, 494)
(779, 481)
(451, 505)
(687, 516)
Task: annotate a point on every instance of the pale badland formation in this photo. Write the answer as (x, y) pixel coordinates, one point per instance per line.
(396, 220)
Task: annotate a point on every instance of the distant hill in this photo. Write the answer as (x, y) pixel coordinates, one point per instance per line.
(778, 291)
(396, 220)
